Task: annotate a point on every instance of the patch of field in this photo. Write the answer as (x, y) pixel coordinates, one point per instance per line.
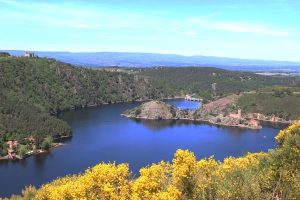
(286, 106)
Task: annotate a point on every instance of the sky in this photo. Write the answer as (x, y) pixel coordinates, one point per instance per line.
(255, 29)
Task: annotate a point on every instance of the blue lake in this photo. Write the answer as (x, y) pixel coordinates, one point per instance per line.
(101, 134)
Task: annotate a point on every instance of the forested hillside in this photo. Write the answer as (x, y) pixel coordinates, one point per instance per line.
(33, 88)
(53, 86)
(200, 80)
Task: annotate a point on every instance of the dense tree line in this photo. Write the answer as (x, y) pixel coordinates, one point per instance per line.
(19, 119)
(54, 86)
(199, 80)
(4, 54)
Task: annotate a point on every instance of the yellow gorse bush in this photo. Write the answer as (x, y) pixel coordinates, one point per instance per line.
(152, 181)
(104, 181)
(292, 129)
(272, 175)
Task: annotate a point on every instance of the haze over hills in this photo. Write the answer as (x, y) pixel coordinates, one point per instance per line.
(126, 59)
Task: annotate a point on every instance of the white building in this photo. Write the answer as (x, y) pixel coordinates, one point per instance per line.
(28, 54)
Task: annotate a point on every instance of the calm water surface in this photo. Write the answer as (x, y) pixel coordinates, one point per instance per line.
(101, 134)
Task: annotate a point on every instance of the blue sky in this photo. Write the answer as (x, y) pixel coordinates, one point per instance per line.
(260, 29)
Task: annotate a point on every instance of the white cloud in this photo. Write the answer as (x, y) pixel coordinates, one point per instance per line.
(211, 15)
(190, 33)
(47, 14)
(232, 7)
(238, 27)
(248, 28)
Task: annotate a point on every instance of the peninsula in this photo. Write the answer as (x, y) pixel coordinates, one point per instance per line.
(222, 112)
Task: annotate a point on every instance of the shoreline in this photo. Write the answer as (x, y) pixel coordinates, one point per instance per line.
(31, 153)
(217, 124)
(115, 102)
(197, 120)
(39, 151)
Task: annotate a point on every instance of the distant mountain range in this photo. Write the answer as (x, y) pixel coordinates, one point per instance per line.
(122, 59)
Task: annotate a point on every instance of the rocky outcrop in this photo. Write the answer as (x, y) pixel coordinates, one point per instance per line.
(223, 112)
(157, 110)
(215, 113)
(220, 106)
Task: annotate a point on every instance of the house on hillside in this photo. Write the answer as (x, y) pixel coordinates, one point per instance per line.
(11, 154)
(29, 54)
(236, 116)
(214, 86)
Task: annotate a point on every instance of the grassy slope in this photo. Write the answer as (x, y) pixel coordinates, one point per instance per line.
(286, 106)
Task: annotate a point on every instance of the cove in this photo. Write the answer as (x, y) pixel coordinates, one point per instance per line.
(101, 134)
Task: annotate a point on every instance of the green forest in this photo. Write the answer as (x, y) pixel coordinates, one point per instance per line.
(199, 80)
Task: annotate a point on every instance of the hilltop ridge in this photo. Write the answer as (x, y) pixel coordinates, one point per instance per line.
(134, 59)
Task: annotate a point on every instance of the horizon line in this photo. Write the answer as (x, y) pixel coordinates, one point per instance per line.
(135, 52)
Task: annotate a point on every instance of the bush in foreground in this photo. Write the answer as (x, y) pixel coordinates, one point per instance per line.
(272, 175)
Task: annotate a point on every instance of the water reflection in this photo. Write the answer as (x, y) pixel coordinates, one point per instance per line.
(161, 124)
(63, 140)
(164, 124)
(237, 131)
(274, 125)
(40, 159)
(23, 163)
